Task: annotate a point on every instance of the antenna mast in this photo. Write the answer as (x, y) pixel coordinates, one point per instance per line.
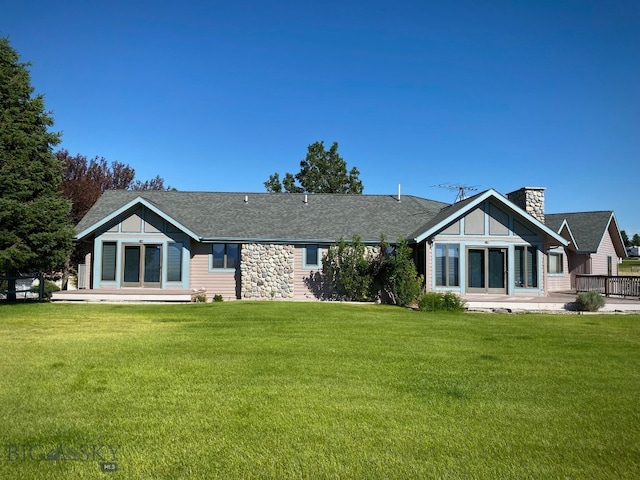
(462, 189)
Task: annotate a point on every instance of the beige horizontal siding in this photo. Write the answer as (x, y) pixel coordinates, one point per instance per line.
(557, 282)
(307, 284)
(200, 278)
(599, 260)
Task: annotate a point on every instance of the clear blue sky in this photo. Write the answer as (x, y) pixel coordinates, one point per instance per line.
(218, 95)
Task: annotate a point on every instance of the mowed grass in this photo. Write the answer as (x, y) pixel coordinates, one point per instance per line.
(316, 390)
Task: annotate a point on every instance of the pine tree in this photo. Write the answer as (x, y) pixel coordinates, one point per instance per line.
(35, 228)
(321, 171)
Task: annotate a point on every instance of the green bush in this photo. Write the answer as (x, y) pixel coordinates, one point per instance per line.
(49, 288)
(199, 298)
(348, 270)
(590, 301)
(217, 298)
(399, 276)
(438, 301)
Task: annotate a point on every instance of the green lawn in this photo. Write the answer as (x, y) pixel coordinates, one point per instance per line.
(629, 267)
(315, 390)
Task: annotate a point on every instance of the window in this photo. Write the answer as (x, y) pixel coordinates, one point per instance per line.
(526, 267)
(311, 256)
(226, 255)
(174, 262)
(109, 261)
(447, 265)
(555, 264)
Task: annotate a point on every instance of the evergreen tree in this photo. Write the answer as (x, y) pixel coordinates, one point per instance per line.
(35, 229)
(322, 171)
(625, 238)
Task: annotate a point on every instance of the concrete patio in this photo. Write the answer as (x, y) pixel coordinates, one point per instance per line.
(555, 302)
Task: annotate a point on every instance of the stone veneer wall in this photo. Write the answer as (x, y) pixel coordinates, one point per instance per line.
(531, 200)
(266, 271)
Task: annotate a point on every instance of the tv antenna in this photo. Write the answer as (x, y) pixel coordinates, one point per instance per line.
(462, 189)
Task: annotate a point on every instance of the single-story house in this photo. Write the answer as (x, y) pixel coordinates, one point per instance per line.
(268, 245)
(595, 247)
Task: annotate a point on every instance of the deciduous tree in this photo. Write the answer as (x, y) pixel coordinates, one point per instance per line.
(85, 180)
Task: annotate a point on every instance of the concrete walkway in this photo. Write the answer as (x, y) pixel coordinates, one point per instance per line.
(556, 302)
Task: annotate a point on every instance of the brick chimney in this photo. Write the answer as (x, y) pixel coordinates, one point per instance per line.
(531, 200)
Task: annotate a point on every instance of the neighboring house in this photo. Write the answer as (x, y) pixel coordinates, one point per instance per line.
(595, 247)
(633, 251)
(267, 245)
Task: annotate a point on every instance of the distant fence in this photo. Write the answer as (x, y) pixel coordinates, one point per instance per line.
(622, 286)
(25, 288)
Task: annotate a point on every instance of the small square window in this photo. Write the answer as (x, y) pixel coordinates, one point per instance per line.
(225, 255)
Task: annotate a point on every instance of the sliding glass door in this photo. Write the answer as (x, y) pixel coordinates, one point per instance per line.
(486, 270)
(142, 265)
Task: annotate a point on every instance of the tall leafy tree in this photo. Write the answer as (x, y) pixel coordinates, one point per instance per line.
(322, 171)
(85, 180)
(35, 228)
(635, 240)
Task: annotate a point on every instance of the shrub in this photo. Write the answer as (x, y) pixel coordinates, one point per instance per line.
(49, 288)
(199, 298)
(438, 301)
(430, 302)
(217, 298)
(590, 301)
(348, 271)
(399, 277)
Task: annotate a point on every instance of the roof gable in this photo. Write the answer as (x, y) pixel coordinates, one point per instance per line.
(587, 229)
(85, 228)
(456, 211)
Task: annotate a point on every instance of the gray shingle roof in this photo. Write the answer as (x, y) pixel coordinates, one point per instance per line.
(279, 217)
(587, 228)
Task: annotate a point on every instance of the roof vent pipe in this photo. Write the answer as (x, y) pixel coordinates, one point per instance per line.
(399, 192)
(306, 199)
(246, 199)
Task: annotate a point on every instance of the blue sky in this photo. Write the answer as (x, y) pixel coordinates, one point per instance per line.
(218, 95)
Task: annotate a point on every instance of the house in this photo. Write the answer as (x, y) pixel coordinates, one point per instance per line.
(595, 247)
(267, 245)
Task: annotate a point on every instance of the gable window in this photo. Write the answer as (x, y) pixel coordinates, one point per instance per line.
(225, 255)
(526, 267)
(555, 263)
(109, 261)
(312, 256)
(447, 265)
(174, 262)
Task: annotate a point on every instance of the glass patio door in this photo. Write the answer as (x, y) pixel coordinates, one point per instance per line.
(487, 270)
(142, 265)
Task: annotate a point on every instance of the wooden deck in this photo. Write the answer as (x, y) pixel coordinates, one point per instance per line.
(133, 295)
(620, 285)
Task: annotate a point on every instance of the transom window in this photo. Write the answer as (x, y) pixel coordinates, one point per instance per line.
(447, 265)
(225, 255)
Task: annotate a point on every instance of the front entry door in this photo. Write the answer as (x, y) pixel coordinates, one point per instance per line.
(487, 270)
(142, 265)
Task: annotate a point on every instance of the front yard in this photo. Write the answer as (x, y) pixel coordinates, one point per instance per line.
(315, 390)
